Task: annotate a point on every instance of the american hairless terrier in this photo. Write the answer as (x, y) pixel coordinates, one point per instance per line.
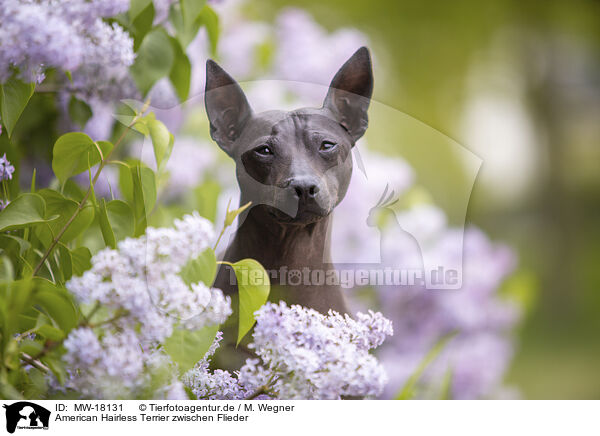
(295, 168)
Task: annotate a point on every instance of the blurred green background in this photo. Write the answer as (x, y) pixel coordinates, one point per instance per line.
(517, 83)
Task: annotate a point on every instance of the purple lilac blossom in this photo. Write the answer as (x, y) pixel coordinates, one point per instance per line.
(6, 169)
(302, 355)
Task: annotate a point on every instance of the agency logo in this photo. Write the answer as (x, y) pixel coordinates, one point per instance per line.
(26, 415)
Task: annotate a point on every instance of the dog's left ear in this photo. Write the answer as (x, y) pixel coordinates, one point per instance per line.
(350, 93)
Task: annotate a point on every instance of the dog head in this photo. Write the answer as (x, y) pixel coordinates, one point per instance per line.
(296, 165)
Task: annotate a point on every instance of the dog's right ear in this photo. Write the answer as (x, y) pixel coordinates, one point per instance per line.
(226, 105)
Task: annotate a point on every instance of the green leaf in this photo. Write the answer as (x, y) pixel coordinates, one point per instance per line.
(66, 261)
(446, 387)
(162, 142)
(408, 390)
(79, 111)
(121, 219)
(7, 272)
(181, 72)
(126, 182)
(206, 197)
(144, 196)
(57, 204)
(191, 9)
(105, 228)
(30, 347)
(201, 269)
(154, 60)
(14, 96)
(210, 20)
(21, 244)
(56, 303)
(187, 347)
(50, 332)
(186, 29)
(73, 191)
(136, 7)
(57, 367)
(231, 215)
(81, 260)
(142, 18)
(24, 211)
(14, 300)
(74, 153)
(253, 290)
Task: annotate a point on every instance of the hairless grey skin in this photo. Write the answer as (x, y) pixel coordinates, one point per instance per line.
(295, 168)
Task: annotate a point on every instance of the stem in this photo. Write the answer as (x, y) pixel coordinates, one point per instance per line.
(85, 197)
(219, 238)
(110, 320)
(265, 389)
(92, 312)
(256, 393)
(36, 364)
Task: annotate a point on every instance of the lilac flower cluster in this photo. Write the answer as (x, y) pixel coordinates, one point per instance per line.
(302, 355)
(141, 278)
(320, 357)
(67, 35)
(114, 366)
(141, 297)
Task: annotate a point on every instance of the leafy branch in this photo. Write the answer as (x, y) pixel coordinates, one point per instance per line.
(103, 162)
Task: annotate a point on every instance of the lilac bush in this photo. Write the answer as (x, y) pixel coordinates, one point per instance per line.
(69, 36)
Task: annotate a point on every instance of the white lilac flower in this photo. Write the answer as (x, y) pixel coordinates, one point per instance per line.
(141, 279)
(107, 367)
(138, 287)
(317, 356)
(114, 365)
(302, 354)
(212, 385)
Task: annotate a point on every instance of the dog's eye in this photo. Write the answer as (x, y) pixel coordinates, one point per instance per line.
(264, 150)
(327, 145)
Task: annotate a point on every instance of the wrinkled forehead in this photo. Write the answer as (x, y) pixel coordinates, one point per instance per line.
(283, 123)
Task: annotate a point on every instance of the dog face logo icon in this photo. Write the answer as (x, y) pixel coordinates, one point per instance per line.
(26, 415)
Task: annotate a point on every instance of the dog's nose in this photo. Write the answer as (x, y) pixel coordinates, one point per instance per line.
(305, 188)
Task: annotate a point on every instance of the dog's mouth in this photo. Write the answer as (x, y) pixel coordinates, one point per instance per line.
(304, 215)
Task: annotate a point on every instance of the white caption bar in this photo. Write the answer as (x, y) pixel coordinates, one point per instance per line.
(272, 417)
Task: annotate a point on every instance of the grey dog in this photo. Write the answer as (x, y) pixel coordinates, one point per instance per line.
(295, 168)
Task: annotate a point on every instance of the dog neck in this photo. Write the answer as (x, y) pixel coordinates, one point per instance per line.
(275, 244)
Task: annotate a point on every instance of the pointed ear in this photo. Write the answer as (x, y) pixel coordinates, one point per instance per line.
(226, 105)
(350, 93)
